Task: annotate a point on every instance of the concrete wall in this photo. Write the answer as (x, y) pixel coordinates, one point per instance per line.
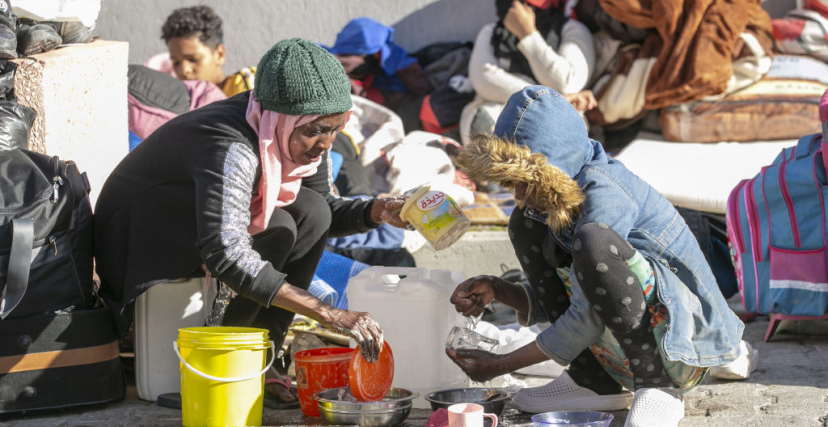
(778, 8)
(253, 26)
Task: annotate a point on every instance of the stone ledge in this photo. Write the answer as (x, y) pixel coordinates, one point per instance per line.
(79, 93)
(477, 252)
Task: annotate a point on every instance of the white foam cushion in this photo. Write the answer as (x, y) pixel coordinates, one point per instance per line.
(698, 176)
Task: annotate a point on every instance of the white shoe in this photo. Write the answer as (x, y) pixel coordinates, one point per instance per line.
(563, 394)
(739, 369)
(652, 407)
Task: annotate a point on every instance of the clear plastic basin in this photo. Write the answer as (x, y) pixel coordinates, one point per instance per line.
(573, 418)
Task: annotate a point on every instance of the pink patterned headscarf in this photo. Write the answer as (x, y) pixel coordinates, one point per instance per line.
(281, 177)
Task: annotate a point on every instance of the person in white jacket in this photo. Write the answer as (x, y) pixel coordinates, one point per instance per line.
(532, 43)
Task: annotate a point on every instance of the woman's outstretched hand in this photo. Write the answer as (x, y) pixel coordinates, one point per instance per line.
(520, 20)
(387, 210)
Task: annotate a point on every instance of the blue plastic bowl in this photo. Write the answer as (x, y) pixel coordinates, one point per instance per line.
(573, 418)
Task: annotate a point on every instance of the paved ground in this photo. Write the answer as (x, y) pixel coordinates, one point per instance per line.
(788, 389)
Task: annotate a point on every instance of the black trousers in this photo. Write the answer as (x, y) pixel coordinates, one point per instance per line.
(540, 255)
(293, 242)
(615, 294)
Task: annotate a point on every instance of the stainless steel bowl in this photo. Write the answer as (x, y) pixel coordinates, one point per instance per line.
(493, 400)
(389, 412)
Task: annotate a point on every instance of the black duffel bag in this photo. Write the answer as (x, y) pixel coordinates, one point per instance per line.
(45, 236)
(58, 345)
(59, 360)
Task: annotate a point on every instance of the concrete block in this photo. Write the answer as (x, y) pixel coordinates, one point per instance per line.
(477, 252)
(79, 93)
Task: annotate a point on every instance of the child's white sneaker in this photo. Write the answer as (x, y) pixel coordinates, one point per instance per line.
(563, 394)
(662, 407)
(739, 369)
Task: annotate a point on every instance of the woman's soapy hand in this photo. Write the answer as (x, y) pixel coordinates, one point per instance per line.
(472, 296)
(387, 210)
(362, 328)
(359, 326)
(520, 20)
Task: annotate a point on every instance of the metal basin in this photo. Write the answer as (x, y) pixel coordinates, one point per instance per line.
(493, 400)
(389, 412)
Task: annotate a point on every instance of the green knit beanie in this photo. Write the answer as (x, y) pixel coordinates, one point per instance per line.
(299, 78)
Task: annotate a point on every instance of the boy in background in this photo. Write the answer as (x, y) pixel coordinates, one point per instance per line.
(195, 39)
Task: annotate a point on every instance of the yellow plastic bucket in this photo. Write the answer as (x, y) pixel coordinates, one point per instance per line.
(222, 375)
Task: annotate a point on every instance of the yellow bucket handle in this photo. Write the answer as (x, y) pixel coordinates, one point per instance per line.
(225, 380)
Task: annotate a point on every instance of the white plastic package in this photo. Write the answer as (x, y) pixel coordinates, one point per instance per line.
(85, 11)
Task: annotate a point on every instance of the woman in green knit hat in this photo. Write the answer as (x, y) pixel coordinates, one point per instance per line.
(240, 189)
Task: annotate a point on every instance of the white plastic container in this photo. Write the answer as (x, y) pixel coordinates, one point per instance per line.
(412, 307)
(159, 313)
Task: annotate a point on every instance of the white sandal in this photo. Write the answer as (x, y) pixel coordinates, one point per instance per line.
(741, 368)
(563, 394)
(662, 407)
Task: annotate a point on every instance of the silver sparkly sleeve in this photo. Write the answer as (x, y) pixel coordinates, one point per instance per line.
(239, 173)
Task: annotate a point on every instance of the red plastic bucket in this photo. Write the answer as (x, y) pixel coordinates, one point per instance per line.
(320, 369)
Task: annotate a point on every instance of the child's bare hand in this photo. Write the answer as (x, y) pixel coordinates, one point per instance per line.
(583, 100)
(472, 296)
(479, 365)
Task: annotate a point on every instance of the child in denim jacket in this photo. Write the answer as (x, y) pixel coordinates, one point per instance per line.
(611, 264)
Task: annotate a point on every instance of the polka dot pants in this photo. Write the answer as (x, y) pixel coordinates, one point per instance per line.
(539, 256)
(615, 294)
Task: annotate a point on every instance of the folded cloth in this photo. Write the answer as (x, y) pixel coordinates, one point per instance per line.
(802, 32)
(322, 290)
(335, 271)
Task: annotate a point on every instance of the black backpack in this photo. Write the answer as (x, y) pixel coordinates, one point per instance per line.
(58, 344)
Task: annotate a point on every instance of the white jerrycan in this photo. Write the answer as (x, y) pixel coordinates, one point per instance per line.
(412, 307)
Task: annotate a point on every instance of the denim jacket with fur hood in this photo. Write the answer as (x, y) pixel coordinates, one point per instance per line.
(541, 140)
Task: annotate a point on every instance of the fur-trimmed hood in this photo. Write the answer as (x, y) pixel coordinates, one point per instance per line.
(490, 158)
(541, 140)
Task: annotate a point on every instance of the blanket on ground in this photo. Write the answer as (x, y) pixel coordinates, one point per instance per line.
(802, 32)
(689, 55)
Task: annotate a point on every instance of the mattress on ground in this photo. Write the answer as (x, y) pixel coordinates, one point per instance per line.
(698, 176)
(769, 109)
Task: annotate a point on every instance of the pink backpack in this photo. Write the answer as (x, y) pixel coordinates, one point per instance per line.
(777, 231)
